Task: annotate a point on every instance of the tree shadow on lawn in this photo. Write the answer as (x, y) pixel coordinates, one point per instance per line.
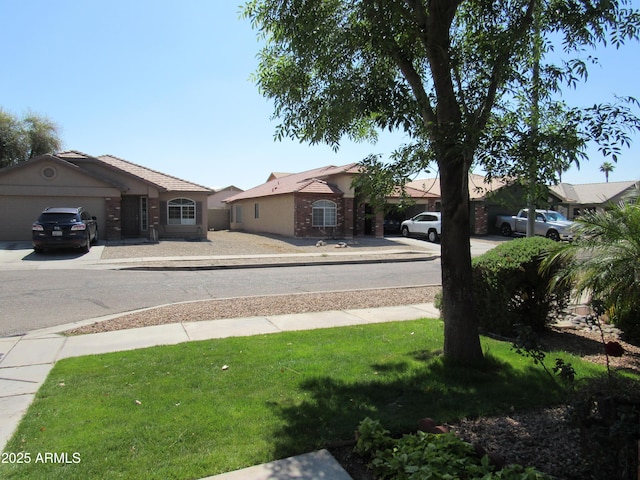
(398, 397)
(568, 342)
(590, 348)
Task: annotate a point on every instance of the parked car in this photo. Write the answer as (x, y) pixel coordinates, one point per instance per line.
(428, 224)
(391, 225)
(63, 228)
(548, 224)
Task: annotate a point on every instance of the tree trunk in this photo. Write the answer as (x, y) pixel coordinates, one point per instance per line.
(461, 338)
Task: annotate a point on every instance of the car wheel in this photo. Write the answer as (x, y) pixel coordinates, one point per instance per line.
(432, 236)
(553, 235)
(506, 230)
(37, 250)
(405, 231)
(87, 247)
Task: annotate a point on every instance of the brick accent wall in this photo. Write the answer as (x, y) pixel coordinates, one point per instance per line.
(113, 223)
(481, 216)
(378, 226)
(303, 224)
(349, 217)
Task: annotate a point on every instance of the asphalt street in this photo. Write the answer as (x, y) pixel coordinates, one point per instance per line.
(34, 299)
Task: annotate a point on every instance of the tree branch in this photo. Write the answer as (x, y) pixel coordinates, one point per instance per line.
(404, 63)
(497, 73)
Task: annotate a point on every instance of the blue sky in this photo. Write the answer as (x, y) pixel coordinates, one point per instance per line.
(166, 84)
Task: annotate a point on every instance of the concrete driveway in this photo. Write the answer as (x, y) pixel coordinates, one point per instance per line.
(21, 255)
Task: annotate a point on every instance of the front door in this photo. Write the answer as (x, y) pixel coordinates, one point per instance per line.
(130, 216)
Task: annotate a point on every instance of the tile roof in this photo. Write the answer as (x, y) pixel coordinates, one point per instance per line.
(311, 181)
(478, 188)
(412, 193)
(592, 193)
(161, 180)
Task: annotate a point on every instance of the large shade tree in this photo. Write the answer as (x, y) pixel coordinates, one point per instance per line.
(27, 137)
(434, 69)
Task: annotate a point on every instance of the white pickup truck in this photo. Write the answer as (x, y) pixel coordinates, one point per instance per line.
(548, 224)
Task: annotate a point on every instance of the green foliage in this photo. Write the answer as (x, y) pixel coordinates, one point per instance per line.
(440, 72)
(423, 456)
(22, 139)
(604, 261)
(509, 290)
(526, 344)
(372, 436)
(606, 409)
(376, 182)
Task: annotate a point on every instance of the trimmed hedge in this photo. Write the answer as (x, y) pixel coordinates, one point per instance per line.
(509, 290)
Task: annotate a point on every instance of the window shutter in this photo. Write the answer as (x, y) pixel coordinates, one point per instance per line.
(198, 213)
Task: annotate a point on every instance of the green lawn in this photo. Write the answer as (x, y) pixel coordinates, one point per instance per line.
(174, 412)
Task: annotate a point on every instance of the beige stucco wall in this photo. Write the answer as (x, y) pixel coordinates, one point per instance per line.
(217, 200)
(343, 182)
(25, 192)
(67, 181)
(185, 231)
(275, 215)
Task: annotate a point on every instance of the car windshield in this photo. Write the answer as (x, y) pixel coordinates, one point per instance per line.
(556, 217)
(58, 217)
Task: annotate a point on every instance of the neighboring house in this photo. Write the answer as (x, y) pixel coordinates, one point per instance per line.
(217, 208)
(128, 200)
(501, 197)
(483, 198)
(573, 200)
(318, 203)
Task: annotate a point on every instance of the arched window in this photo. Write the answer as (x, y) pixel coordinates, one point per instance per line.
(181, 211)
(324, 213)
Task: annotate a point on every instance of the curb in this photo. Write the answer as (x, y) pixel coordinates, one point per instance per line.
(275, 264)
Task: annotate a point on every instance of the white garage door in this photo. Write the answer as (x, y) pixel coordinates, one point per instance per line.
(18, 213)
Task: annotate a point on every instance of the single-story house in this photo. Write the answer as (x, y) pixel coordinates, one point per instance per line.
(129, 200)
(315, 203)
(318, 203)
(482, 208)
(575, 199)
(217, 208)
(502, 197)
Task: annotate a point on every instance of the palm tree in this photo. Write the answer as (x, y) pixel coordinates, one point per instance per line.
(606, 168)
(604, 261)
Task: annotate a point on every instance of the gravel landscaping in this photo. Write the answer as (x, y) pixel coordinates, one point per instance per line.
(263, 306)
(228, 243)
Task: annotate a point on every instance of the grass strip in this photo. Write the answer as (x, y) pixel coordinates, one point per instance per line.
(202, 408)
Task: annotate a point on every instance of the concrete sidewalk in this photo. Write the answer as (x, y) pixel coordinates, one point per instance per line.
(25, 362)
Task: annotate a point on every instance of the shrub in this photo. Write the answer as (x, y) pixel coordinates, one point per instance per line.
(427, 455)
(510, 290)
(607, 411)
(603, 262)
